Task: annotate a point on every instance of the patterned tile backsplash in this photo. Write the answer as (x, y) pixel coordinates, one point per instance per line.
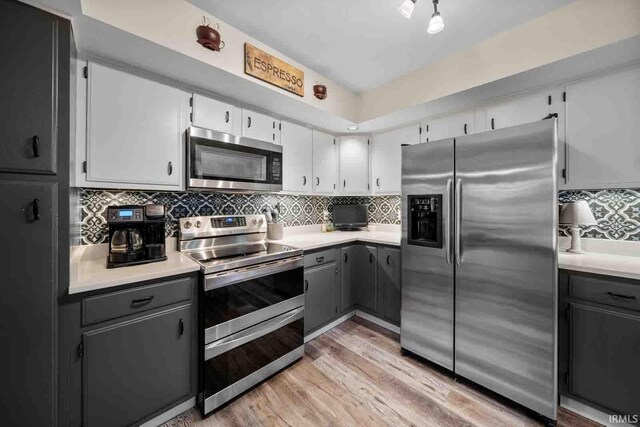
(295, 210)
(617, 211)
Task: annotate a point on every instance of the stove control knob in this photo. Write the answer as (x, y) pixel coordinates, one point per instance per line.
(187, 225)
(254, 221)
(198, 224)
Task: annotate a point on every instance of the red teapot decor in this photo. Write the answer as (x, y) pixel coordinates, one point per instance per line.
(320, 91)
(209, 37)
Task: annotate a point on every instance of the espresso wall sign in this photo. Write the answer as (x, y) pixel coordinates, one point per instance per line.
(268, 68)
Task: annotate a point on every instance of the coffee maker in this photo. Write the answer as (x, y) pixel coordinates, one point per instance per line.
(136, 235)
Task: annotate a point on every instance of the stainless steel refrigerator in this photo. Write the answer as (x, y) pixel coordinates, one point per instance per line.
(479, 259)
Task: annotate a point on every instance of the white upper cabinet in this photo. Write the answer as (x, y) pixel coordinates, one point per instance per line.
(603, 128)
(297, 151)
(325, 163)
(260, 126)
(354, 165)
(449, 126)
(386, 156)
(518, 111)
(211, 114)
(135, 130)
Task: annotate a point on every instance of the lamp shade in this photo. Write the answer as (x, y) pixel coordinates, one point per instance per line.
(577, 213)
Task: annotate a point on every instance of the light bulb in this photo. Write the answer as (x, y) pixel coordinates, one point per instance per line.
(406, 8)
(436, 24)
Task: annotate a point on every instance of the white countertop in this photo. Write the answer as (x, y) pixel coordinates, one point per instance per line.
(315, 240)
(89, 270)
(607, 264)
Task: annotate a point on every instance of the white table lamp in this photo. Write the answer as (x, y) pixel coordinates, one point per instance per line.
(577, 214)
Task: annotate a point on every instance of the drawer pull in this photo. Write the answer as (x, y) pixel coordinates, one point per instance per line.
(306, 285)
(35, 207)
(181, 327)
(627, 297)
(319, 258)
(136, 303)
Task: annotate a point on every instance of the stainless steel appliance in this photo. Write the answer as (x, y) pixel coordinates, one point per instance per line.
(251, 304)
(221, 161)
(136, 235)
(479, 259)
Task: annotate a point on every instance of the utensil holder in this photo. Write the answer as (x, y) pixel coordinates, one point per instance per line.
(275, 231)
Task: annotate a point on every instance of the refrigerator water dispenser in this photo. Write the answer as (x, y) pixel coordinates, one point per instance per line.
(425, 220)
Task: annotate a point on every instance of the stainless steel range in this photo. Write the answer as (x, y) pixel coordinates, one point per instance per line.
(251, 304)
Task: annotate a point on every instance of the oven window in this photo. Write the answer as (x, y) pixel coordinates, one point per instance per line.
(227, 368)
(231, 164)
(229, 302)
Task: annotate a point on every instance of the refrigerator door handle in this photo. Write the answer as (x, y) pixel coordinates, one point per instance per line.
(448, 218)
(458, 221)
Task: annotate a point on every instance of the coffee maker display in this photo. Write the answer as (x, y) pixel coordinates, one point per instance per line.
(136, 235)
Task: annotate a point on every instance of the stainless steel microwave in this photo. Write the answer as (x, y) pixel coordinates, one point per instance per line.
(220, 161)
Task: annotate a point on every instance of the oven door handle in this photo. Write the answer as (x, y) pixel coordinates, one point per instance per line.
(219, 280)
(229, 343)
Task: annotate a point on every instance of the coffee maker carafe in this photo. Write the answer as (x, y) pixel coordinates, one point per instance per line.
(136, 235)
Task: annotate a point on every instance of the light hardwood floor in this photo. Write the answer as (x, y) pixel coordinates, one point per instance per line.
(354, 375)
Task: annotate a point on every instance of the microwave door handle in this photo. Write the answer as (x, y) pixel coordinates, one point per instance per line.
(220, 280)
(448, 218)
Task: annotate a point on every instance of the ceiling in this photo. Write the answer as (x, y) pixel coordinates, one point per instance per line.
(362, 44)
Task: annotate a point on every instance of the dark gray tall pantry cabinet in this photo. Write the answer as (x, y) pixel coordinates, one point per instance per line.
(36, 50)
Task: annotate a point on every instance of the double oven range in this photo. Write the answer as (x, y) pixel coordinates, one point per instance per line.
(251, 304)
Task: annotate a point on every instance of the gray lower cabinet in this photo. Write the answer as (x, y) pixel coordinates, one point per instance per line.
(389, 284)
(28, 304)
(604, 357)
(137, 367)
(599, 341)
(364, 277)
(319, 296)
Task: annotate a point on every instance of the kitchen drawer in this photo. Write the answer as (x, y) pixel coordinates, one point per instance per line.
(319, 258)
(117, 304)
(609, 292)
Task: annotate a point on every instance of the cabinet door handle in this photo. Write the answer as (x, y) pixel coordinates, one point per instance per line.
(170, 168)
(370, 258)
(493, 123)
(136, 303)
(248, 122)
(465, 128)
(226, 117)
(388, 259)
(319, 258)
(346, 257)
(35, 145)
(344, 183)
(304, 180)
(306, 285)
(35, 207)
(378, 182)
(627, 297)
(317, 180)
(181, 327)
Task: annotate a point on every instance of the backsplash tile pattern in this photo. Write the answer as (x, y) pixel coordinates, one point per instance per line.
(295, 210)
(616, 211)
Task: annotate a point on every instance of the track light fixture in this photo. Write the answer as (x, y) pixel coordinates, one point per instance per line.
(436, 23)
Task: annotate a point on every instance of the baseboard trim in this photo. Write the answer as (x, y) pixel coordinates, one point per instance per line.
(377, 321)
(171, 413)
(329, 326)
(589, 412)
